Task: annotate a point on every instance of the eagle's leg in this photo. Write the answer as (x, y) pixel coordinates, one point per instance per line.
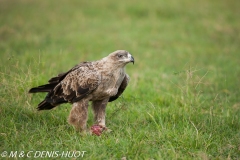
(79, 115)
(99, 112)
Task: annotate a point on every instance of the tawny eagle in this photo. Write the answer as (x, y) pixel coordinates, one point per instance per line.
(99, 81)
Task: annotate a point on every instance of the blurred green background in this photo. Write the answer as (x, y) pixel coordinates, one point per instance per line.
(186, 71)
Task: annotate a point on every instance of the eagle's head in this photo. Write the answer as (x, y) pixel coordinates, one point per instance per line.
(120, 57)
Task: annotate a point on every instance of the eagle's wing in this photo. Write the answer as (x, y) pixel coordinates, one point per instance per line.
(121, 88)
(77, 84)
(61, 76)
(72, 86)
(53, 82)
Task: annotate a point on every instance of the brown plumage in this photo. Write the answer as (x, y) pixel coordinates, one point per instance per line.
(99, 81)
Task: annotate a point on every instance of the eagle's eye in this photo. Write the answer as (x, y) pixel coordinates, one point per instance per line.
(120, 56)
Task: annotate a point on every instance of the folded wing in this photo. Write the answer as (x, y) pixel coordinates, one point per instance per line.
(70, 87)
(121, 88)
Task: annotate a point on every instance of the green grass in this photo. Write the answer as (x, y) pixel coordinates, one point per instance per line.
(183, 100)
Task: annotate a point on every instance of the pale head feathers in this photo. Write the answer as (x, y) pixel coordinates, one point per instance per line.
(119, 58)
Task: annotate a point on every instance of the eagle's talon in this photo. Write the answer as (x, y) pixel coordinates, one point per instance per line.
(105, 129)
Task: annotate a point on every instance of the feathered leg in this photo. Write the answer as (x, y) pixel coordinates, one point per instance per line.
(79, 115)
(99, 112)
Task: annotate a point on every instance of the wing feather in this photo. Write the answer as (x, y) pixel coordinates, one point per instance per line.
(61, 76)
(77, 84)
(71, 86)
(121, 88)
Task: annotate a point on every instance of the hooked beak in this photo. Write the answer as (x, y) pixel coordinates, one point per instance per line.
(132, 59)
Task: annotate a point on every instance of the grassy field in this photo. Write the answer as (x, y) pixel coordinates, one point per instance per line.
(183, 100)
